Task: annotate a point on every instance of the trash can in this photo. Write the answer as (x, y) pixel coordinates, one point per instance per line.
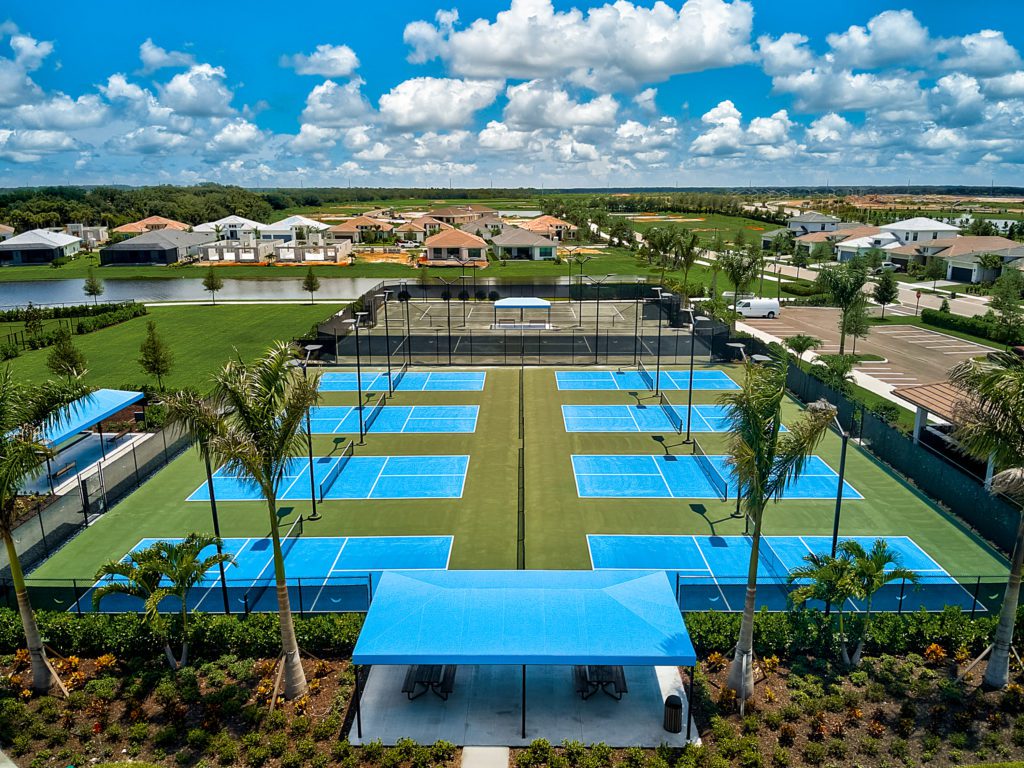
(673, 714)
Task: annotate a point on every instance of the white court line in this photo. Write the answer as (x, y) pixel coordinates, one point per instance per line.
(662, 474)
(329, 572)
(714, 578)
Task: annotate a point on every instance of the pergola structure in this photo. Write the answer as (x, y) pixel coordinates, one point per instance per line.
(523, 618)
(938, 399)
(85, 413)
(522, 303)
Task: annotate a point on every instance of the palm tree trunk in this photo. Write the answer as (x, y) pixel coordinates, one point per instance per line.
(855, 661)
(741, 672)
(42, 675)
(842, 332)
(843, 649)
(294, 676)
(997, 673)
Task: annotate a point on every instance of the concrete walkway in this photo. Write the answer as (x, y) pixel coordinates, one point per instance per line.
(5, 761)
(485, 757)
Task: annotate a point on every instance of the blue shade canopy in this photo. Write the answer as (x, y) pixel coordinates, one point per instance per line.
(626, 618)
(86, 412)
(522, 302)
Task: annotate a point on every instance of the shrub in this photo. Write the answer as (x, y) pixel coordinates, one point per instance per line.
(814, 753)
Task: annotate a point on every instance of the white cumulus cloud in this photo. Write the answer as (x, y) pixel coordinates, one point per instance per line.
(541, 104)
(436, 102)
(326, 61)
(154, 57)
(200, 92)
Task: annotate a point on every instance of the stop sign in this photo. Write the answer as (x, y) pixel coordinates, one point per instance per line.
(918, 294)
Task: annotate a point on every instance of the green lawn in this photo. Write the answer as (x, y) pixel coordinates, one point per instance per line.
(712, 223)
(484, 521)
(201, 338)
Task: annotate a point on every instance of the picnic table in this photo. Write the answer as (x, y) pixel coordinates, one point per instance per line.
(591, 679)
(437, 678)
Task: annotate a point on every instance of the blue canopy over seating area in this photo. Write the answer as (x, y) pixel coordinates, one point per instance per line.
(87, 412)
(602, 619)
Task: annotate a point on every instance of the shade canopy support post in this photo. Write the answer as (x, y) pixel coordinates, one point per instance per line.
(524, 703)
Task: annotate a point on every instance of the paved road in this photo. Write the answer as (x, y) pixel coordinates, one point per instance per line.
(912, 355)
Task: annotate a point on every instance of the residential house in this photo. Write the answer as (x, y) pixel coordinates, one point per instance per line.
(90, 236)
(517, 243)
(149, 224)
(37, 246)
(487, 227)
(961, 255)
(812, 221)
(6, 232)
(315, 251)
(161, 247)
(456, 215)
(920, 229)
(292, 228)
(453, 247)
(419, 229)
(549, 226)
(355, 229)
(767, 238)
(859, 240)
(231, 227)
(247, 250)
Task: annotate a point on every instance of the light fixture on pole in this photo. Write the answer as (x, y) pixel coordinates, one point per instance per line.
(694, 319)
(310, 349)
(387, 338)
(581, 262)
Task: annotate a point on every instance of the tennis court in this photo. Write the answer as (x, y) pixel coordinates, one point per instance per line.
(644, 418)
(636, 380)
(413, 381)
(352, 477)
(688, 477)
(325, 574)
(710, 571)
(395, 419)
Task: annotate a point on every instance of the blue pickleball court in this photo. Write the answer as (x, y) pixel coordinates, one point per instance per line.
(324, 574)
(634, 380)
(645, 476)
(644, 418)
(357, 477)
(395, 419)
(710, 571)
(412, 381)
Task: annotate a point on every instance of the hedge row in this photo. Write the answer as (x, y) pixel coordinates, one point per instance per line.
(128, 638)
(52, 313)
(121, 313)
(784, 634)
(976, 326)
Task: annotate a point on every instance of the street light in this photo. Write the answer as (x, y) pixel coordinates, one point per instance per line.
(408, 327)
(448, 304)
(694, 319)
(597, 312)
(570, 252)
(581, 262)
(387, 338)
(310, 349)
(465, 293)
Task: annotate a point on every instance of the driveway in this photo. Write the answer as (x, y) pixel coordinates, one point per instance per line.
(912, 355)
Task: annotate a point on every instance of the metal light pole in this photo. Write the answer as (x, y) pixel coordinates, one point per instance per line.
(359, 377)
(662, 293)
(448, 304)
(694, 319)
(597, 312)
(581, 262)
(310, 349)
(387, 338)
(408, 328)
(570, 254)
(463, 278)
(636, 322)
(839, 493)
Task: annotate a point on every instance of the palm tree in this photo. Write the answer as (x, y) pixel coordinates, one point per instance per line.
(264, 404)
(844, 285)
(764, 460)
(687, 250)
(835, 370)
(872, 570)
(831, 581)
(24, 410)
(197, 416)
(741, 269)
(801, 343)
(990, 416)
(165, 569)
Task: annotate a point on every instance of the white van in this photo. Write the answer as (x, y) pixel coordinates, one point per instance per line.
(759, 308)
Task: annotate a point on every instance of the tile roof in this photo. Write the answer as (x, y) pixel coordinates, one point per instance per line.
(454, 238)
(150, 222)
(545, 223)
(5, 228)
(353, 224)
(515, 236)
(968, 245)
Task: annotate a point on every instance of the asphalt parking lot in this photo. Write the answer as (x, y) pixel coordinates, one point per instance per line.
(912, 355)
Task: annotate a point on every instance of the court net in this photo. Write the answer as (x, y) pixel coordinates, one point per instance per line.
(711, 471)
(256, 593)
(397, 376)
(672, 414)
(374, 412)
(773, 563)
(332, 474)
(645, 374)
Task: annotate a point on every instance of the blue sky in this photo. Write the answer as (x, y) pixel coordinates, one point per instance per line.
(520, 92)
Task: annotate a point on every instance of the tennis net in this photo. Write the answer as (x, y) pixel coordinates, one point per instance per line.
(397, 376)
(375, 410)
(332, 474)
(264, 582)
(672, 414)
(772, 562)
(645, 374)
(711, 471)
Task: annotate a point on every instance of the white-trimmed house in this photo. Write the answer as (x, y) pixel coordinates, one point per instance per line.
(231, 227)
(453, 246)
(552, 227)
(292, 228)
(38, 246)
(315, 251)
(812, 221)
(419, 229)
(962, 255)
(516, 243)
(920, 229)
(356, 228)
(245, 250)
(89, 234)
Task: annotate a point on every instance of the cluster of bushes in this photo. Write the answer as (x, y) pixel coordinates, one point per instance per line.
(31, 311)
(801, 288)
(127, 637)
(89, 319)
(790, 635)
(976, 326)
(106, 319)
